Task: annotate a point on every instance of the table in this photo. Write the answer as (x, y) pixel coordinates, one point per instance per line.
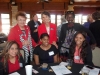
(75, 70)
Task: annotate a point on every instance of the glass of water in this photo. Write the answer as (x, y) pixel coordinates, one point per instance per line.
(70, 62)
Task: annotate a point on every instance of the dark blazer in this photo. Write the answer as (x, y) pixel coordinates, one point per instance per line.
(76, 27)
(95, 29)
(6, 70)
(88, 59)
(34, 35)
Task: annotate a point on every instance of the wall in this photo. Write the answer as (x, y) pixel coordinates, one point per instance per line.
(52, 7)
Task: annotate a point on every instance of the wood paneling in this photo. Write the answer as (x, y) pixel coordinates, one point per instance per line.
(30, 6)
(4, 0)
(4, 7)
(53, 6)
(39, 0)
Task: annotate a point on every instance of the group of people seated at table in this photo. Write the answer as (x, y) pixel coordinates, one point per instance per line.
(47, 51)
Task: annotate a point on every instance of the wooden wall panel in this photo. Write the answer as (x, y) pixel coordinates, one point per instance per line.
(4, 7)
(53, 6)
(4, 0)
(38, 0)
(30, 6)
(84, 10)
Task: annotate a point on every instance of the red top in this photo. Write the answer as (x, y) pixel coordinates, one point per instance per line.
(53, 31)
(13, 66)
(77, 58)
(15, 33)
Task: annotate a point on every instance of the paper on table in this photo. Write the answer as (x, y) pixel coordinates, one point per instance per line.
(15, 73)
(85, 70)
(60, 70)
(63, 63)
(94, 71)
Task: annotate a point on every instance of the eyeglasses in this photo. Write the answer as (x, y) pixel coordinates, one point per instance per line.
(69, 12)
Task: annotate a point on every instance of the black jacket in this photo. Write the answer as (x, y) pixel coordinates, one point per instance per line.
(6, 70)
(34, 35)
(95, 29)
(76, 27)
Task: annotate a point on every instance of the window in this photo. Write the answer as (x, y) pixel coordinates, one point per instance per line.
(84, 19)
(79, 18)
(39, 17)
(53, 19)
(5, 18)
(28, 18)
(58, 20)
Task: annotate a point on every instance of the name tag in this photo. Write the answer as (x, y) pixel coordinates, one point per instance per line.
(77, 57)
(51, 53)
(20, 64)
(35, 25)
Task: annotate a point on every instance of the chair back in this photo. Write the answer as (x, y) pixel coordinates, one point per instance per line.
(96, 56)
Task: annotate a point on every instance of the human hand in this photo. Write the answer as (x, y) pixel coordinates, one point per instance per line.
(54, 43)
(35, 30)
(25, 42)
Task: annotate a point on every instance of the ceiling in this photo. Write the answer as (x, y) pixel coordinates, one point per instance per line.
(50, 0)
(84, 3)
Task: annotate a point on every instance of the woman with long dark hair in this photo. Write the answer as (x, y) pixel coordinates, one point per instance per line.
(11, 59)
(80, 51)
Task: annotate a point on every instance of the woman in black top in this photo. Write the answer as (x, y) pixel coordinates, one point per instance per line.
(45, 53)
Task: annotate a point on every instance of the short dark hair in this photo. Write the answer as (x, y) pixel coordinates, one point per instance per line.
(33, 15)
(46, 13)
(70, 12)
(43, 35)
(96, 15)
(21, 13)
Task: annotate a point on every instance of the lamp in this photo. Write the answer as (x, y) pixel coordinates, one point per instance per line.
(13, 2)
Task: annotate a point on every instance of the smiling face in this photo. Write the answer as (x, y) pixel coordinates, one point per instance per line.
(45, 40)
(13, 51)
(21, 21)
(45, 18)
(79, 39)
(70, 18)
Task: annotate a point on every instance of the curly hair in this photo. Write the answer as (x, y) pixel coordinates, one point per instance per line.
(5, 55)
(96, 15)
(83, 47)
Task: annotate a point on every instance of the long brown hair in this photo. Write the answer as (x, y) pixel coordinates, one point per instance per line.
(5, 55)
(84, 46)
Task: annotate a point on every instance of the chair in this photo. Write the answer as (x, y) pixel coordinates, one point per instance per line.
(22, 53)
(2, 45)
(96, 56)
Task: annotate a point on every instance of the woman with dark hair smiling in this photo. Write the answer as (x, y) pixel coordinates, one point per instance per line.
(45, 53)
(11, 59)
(80, 51)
